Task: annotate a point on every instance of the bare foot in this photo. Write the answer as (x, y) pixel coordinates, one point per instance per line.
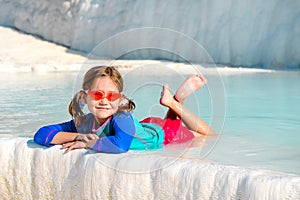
(166, 97)
(189, 86)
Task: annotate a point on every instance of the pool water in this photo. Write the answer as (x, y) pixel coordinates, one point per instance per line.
(260, 128)
(30, 100)
(262, 123)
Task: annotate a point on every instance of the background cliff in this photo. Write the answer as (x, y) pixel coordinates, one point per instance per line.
(238, 33)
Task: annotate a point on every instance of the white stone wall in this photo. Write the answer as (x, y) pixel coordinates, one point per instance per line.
(30, 171)
(234, 32)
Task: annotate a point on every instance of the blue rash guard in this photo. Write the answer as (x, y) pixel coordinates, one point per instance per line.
(117, 135)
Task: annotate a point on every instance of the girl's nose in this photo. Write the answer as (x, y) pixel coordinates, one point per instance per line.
(103, 101)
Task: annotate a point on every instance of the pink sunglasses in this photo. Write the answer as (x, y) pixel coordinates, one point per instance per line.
(99, 94)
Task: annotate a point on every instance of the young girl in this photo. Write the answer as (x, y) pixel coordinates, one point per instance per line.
(110, 126)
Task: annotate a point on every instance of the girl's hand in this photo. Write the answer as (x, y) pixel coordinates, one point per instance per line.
(86, 137)
(89, 139)
(82, 141)
(74, 145)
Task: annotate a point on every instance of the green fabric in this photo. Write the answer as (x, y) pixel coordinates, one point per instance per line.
(147, 136)
(104, 131)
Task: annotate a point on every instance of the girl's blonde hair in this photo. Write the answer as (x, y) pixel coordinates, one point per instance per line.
(91, 75)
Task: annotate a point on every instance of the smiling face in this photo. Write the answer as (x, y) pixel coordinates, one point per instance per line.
(103, 108)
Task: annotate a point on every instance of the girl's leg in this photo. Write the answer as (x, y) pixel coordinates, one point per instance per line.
(189, 86)
(176, 108)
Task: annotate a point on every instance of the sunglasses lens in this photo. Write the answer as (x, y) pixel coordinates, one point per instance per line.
(97, 95)
(112, 96)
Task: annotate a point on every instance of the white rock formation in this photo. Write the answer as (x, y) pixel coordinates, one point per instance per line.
(246, 33)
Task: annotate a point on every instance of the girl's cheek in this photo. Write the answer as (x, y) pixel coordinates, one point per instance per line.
(115, 104)
(90, 105)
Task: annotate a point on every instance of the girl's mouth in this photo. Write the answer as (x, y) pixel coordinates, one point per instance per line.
(102, 108)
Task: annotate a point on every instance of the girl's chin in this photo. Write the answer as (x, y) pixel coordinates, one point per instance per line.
(102, 114)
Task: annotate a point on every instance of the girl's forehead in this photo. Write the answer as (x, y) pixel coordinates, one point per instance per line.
(104, 83)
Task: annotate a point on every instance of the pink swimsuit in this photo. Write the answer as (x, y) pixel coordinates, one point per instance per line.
(174, 131)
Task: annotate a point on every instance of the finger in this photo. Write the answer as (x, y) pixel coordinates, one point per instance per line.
(71, 147)
(89, 136)
(67, 145)
(80, 138)
(80, 145)
(205, 80)
(77, 145)
(83, 138)
(93, 137)
(202, 78)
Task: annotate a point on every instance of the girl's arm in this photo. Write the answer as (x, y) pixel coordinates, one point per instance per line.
(64, 137)
(56, 134)
(123, 129)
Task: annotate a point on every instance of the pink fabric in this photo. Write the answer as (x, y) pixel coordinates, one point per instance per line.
(174, 131)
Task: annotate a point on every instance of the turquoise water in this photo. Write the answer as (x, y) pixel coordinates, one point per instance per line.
(30, 100)
(264, 105)
(261, 124)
